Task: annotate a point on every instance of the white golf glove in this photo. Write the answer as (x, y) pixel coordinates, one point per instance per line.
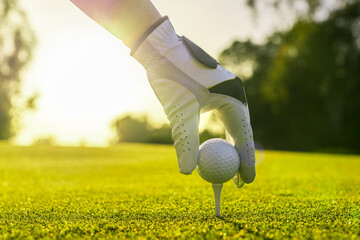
(187, 82)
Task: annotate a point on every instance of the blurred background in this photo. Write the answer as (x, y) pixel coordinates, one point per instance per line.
(64, 80)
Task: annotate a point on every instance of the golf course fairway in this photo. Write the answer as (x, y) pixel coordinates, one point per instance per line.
(135, 191)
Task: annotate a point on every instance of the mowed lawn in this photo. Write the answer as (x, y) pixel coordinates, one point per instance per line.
(136, 191)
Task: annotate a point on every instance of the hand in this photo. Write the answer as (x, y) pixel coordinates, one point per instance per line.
(187, 82)
(183, 105)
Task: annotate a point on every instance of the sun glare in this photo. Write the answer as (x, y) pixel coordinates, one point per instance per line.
(84, 82)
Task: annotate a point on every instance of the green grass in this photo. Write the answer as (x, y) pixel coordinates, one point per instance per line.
(135, 191)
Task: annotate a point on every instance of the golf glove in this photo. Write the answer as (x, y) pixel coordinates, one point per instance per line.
(187, 82)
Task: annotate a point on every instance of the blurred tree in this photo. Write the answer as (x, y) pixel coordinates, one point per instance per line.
(131, 128)
(213, 129)
(138, 129)
(44, 141)
(207, 134)
(303, 85)
(310, 10)
(16, 43)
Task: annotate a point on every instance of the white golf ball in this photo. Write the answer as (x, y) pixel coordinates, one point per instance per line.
(218, 161)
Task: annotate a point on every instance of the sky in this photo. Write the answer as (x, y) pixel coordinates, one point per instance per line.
(85, 76)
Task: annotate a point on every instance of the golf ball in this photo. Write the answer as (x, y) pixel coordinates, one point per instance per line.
(218, 161)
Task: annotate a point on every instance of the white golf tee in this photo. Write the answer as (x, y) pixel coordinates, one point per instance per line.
(217, 192)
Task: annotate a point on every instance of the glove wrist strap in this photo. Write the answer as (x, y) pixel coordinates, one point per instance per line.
(147, 33)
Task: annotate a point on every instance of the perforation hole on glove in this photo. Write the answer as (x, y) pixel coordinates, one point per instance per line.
(181, 131)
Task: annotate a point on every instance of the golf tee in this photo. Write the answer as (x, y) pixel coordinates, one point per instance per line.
(217, 192)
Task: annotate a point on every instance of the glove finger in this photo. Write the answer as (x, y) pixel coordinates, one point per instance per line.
(183, 112)
(185, 134)
(236, 120)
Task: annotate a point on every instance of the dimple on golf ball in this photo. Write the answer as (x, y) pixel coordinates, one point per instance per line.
(218, 161)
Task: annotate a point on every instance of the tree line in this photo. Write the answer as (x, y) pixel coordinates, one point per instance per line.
(131, 128)
(303, 85)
